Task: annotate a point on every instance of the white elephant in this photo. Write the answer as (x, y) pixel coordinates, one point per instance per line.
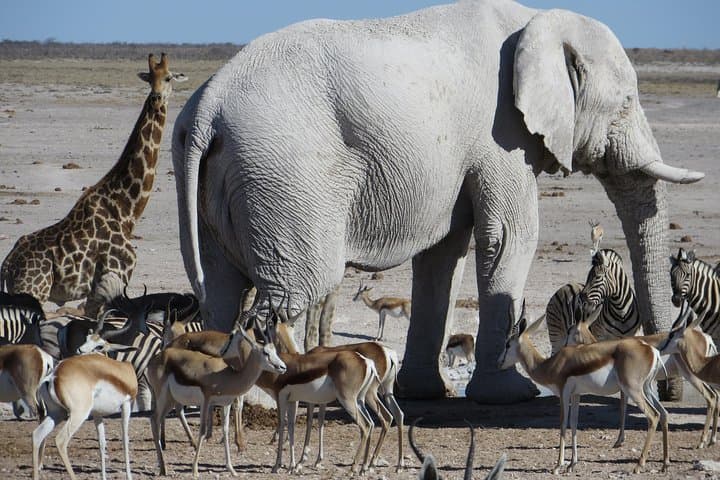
(367, 143)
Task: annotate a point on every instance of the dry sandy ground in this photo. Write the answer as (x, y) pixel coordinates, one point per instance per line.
(44, 127)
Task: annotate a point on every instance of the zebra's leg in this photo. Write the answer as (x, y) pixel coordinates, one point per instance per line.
(143, 400)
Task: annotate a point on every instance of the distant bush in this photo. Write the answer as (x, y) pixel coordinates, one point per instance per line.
(674, 55)
(12, 50)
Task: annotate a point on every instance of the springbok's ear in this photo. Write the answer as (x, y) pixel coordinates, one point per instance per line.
(179, 77)
(536, 324)
(144, 76)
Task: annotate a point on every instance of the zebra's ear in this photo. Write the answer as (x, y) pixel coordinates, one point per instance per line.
(682, 255)
(691, 256)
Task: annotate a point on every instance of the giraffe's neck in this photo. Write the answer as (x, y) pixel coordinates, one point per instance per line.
(128, 184)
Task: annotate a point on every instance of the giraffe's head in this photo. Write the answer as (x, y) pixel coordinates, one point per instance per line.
(160, 79)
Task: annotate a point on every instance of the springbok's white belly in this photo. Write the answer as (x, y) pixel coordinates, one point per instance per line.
(603, 381)
(8, 389)
(321, 390)
(394, 312)
(107, 399)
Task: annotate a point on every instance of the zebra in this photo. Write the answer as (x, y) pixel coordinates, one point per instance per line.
(607, 287)
(697, 282)
(20, 318)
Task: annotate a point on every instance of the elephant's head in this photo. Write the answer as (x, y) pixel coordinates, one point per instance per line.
(577, 90)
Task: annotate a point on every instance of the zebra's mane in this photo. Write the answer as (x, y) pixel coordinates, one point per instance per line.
(22, 301)
(611, 256)
(704, 266)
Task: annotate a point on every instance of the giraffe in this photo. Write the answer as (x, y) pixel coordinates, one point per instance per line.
(88, 253)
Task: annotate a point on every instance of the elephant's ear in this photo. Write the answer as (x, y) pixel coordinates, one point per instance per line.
(548, 77)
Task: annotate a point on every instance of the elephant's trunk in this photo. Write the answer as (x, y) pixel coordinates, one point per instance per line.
(641, 206)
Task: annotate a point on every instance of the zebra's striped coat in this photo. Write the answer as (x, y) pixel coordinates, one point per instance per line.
(607, 286)
(699, 283)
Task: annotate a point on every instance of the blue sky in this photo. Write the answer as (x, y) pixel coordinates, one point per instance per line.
(638, 23)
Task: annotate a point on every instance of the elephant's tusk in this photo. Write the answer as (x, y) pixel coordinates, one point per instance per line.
(672, 174)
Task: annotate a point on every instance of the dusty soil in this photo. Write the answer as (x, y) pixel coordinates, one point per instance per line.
(45, 125)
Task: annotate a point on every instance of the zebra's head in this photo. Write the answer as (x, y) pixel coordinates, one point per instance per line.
(681, 275)
(601, 280)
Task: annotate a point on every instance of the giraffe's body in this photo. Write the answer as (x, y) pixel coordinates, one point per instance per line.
(89, 252)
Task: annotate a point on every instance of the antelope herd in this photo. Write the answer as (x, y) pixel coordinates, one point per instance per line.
(152, 353)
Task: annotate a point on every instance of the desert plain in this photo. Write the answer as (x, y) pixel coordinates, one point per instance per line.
(64, 120)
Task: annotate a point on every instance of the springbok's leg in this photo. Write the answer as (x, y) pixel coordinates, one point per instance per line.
(321, 439)
(102, 445)
(125, 411)
(38, 443)
(226, 439)
(564, 413)
(623, 409)
(574, 408)
(381, 325)
(384, 417)
(282, 403)
(205, 413)
(240, 441)
(653, 417)
(74, 422)
(399, 417)
(308, 432)
(291, 419)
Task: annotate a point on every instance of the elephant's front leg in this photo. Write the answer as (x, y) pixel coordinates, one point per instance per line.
(506, 230)
(437, 275)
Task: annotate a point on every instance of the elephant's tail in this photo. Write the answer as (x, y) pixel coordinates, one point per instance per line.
(197, 142)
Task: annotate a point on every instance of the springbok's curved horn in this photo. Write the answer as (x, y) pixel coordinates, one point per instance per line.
(411, 437)
(672, 174)
(471, 453)
(101, 320)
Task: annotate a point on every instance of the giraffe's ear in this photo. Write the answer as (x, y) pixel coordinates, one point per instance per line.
(144, 76)
(179, 77)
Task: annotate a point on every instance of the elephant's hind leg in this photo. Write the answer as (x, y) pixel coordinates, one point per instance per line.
(437, 274)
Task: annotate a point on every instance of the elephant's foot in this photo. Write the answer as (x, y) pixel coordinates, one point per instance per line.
(671, 390)
(423, 383)
(500, 386)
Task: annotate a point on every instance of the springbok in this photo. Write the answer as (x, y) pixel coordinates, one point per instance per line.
(81, 386)
(460, 345)
(628, 365)
(393, 306)
(320, 378)
(429, 470)
(387, 366)
(687, 339)
(22, 367)
(673, 365)
(187, 377)
(212, 342)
